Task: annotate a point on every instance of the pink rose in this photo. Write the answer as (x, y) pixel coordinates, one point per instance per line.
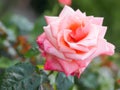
(65, 2)
(71, 40)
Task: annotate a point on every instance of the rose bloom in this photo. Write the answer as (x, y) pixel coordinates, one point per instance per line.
(71, 40)
(65, 2)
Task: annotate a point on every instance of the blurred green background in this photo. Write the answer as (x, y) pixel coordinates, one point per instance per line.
(21, 21)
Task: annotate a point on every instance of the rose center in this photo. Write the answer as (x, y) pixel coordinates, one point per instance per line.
(78, 33)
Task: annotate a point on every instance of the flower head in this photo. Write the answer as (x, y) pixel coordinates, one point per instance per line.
(71, 40)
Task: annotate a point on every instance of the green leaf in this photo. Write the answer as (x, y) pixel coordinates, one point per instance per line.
(32, 52)
(88, 80)
(5, 62)
(23, 76)
(63, 82)
(105, 79)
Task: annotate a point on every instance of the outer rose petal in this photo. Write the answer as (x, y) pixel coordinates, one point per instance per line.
(102, 31)
(52, 64)
(40, 40)
(50, 19)
(50, 36)
(80, 14)
(66, 12)
(68, 67)
(95, 20)
(55, 28)
(104, 48)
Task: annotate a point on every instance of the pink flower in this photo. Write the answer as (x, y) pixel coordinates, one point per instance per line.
(65, 2)
(71, 40)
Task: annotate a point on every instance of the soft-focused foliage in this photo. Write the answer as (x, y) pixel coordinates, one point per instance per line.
(21, 65)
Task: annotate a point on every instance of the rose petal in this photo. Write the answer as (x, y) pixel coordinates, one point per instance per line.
(68, 66)
(40, 40)
(103, 47)
(50, 19)
(103, 30)
(72, 44)
(79, 14)
(68, 21)
(49, 35)
(92, 37)
(55, 28)
(66, 12)
(97, 20)
(49, 48)
(61, 43)
(81, 56)
(52, 64)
